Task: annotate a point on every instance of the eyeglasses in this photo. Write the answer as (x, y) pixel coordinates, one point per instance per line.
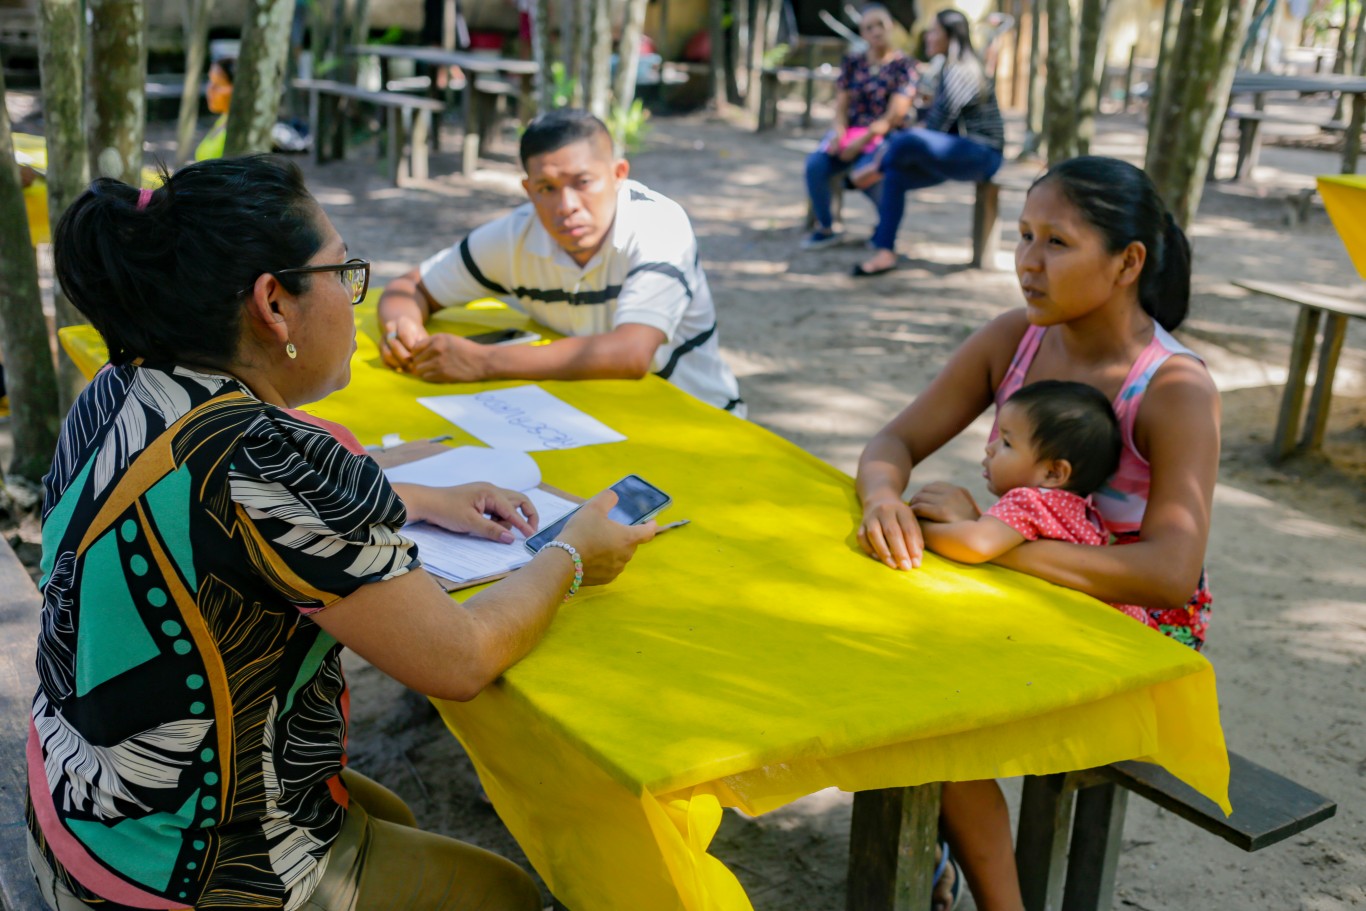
(354, 272)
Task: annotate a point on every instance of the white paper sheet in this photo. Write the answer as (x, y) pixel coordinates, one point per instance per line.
(461, 558)
(465, 464)
(525, 418)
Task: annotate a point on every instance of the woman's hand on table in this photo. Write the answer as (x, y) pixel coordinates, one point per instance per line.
(398, 338)
(480, 509)
(890, 533)
(943, 502)
(604, 545)
(444, 358)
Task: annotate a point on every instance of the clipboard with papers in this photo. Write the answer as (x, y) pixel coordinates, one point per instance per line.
(459, 561)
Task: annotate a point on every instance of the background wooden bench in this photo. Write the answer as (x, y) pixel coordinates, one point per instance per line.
(1314, 307)
(20, 605)
(408, 120)
(774, 77)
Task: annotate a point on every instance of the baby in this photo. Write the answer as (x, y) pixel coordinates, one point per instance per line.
(1058, 443)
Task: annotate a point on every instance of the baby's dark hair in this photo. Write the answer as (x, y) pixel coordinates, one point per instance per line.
(160, 273)
(1076, 422)
(556, 129)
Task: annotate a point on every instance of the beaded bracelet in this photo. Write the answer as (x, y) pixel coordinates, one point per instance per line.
(578, 566)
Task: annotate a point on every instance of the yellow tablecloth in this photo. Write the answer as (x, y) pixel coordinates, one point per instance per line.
(1344, 196)
(32, 151)
(756, 656)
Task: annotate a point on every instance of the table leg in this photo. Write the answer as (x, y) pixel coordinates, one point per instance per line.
(469, 147)
(891, 849)
(422, 123)
(394, 145)
(1334, 333)
(1041, 842)
(1098, 832)
(1292, 399)
(1351, 147)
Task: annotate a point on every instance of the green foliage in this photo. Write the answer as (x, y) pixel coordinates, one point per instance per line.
(630, 125)
(775, 55)
(562, 88)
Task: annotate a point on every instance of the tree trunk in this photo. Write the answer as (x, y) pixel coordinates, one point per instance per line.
(1359, 44)
(1034, 98)
(716, 30)
(1090, 68)
(737, 38)
(600, 59)
(117, 78)
(68, 165)
(23, 330)
(196, 50)
(1208, 46)
(1060, 87)
(256, 88)
(1344, 44)
(758, 46)
(540, 52)
(578, 70)
(1173, 15)
(628, 54)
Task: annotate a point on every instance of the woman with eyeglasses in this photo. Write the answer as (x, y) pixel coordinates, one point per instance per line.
(208, 550)
(875, 91)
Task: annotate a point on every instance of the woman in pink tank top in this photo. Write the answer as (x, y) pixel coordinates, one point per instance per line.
(1105, 274)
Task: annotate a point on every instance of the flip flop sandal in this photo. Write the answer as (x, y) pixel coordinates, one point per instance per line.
(859, 272)
(945, 861)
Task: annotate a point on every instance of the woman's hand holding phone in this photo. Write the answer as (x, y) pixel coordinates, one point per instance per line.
(605, 546)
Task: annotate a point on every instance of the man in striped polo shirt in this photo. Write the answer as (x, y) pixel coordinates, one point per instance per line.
(600, 258)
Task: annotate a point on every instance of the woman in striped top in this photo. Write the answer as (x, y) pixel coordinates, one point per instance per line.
(961, 138)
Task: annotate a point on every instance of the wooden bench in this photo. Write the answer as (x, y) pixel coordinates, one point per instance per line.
(19, 609)
(985, 228)
(1067, 859)
(1070, 832)
(409, 122)
(1314, 307)
(1249, 124)
(774, 77)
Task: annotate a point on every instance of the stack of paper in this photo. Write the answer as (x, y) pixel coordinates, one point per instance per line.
(464, 558)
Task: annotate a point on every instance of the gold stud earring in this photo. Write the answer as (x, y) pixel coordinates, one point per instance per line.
(291, 350)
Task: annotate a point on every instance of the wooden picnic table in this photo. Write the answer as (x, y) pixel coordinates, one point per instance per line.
(484, 84)
(757, 656)
(1259, 84)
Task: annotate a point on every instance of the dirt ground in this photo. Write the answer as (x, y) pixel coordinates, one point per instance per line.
(825, 359)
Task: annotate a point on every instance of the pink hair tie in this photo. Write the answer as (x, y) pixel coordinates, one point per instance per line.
(144, 197)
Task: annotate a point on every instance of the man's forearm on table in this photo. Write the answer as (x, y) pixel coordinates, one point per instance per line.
(584, 358)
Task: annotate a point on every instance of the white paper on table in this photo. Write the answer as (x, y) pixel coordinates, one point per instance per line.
(466, 464)
(525, 418)
(461, 558)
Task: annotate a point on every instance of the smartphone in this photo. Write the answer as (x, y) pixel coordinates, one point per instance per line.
(637, 501)
(503, 337)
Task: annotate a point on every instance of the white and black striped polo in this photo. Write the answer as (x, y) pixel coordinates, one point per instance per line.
(647, 272)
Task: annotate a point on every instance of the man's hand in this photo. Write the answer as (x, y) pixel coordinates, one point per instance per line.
(397, 340)
(444, 358)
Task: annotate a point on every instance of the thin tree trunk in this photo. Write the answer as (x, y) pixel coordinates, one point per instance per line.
(758, 46)
(117, 76)
(23, 330)
(716, 29)
(1344, 43)
(1347, 60)
(736, 39)
(68, 165)
(1359, 44)
(196, 50)
(256, 88)
(628, 55)
(1208, 46)
(540, 48)
(1173, 15)
(600, 59)
(1090, 67)
(583, 43)
(568, 41)
(1034, 102)
(1060, 87)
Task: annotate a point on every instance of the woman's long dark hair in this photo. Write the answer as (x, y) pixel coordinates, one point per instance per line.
(164, 280)
(1121, 202)
(959, 30)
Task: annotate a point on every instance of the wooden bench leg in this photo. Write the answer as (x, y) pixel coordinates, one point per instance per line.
(1334, 333)
(393, 152)
(1249, 148)
(1097, 835)
(768, 102)
(422, 124)
(315, 127)
(1292, 399)
(986, 230)
(891, 849)
(469, 146)
(1041, 841)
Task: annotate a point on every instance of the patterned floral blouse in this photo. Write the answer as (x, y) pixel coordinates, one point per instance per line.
(189, 728)
(871, 87)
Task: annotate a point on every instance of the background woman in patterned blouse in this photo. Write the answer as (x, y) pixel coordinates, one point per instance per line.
(875, 92)
(207, 552)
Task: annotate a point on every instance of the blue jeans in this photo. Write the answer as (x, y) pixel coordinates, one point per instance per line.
(921, 158)
(821, 168)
